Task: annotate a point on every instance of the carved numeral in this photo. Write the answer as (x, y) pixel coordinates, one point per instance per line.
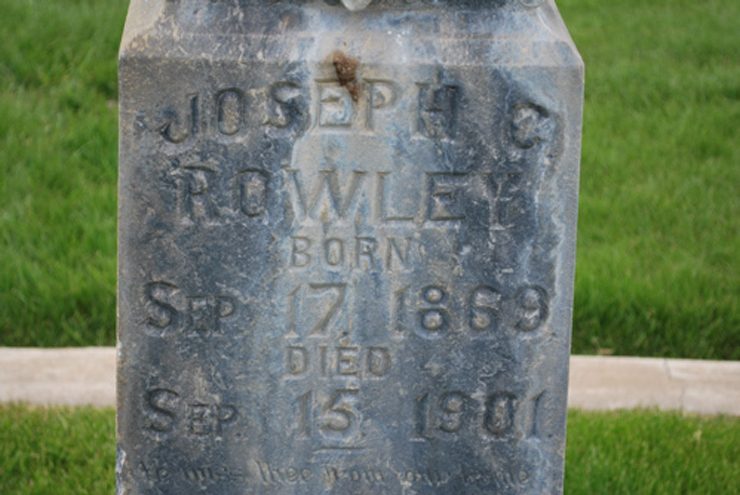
(484, 304)
(535, 405)
(338, 416)
(399, 311)
(305, 414)
(532, 308)
(452, 412)
(434, 318)
(293, 312)
(499, 415)
(421, 417)
(446, 414)
(486, 310)
(331, 295)
(451, 406)
(338, 292)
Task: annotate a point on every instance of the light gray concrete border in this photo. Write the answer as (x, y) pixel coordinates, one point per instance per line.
(76, 376)
(609, 383)
(68, 376)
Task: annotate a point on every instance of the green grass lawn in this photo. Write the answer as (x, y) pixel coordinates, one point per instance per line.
(63, 451)
(58, 143)
(57, 451)
(658, 267)
(658, 242)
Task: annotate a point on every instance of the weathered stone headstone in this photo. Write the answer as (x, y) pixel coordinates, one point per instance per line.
(346, 246)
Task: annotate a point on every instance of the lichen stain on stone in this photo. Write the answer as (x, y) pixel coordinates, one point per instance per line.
(346, 69)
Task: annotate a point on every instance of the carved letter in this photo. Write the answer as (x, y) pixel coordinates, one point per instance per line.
(299, 255)
(179, 137)
(378, 361)
(252, 186)
(288, 111)
(196, 203)
(382, 94)
(444, 196)
(334, 251)
(401, 252)
(162, 414)
(296, 360)
(161, 313)
(437, 111)
(366, 247)
(230, 111)
(336, 107)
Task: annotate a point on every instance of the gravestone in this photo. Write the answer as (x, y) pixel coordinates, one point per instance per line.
(346, 246)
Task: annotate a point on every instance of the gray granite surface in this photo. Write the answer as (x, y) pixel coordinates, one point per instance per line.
(346, 246)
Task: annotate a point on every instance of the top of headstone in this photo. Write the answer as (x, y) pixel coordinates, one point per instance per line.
(513, 23)
(355, 5)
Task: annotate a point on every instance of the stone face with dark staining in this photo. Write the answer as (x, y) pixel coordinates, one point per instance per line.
(346, 246)
(346, 68)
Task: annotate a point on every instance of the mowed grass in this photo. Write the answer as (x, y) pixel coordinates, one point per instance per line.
(58, 153)
(72, 451)
(658, 257)
(650, 452)
(658, 246)
(57, 451)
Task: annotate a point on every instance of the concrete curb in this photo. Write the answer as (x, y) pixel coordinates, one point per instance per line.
(77, 376)
(68, 376)
(609, 383)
